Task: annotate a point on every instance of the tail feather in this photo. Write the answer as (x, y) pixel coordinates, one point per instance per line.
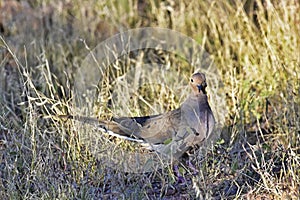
(108, 127)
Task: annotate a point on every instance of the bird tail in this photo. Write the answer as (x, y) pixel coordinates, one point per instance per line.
(109, 127)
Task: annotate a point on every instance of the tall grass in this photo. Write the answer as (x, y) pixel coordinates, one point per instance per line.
(255, 46)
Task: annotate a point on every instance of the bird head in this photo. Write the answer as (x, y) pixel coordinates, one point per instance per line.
(198, 83)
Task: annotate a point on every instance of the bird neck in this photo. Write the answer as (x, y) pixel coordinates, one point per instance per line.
(198, 96)
(199, 93)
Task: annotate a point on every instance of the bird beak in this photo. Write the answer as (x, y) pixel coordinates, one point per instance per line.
(200, 87)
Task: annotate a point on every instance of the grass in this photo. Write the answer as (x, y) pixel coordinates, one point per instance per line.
(255, 47)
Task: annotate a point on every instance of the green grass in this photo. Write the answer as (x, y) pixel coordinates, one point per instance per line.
(257, 55)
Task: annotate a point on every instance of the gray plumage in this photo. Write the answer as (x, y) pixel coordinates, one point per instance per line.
(172, 133)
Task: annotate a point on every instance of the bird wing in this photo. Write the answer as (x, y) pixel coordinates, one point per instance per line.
(161, 128)
(153, 129)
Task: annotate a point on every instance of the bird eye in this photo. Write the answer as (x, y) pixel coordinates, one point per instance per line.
(192, 80)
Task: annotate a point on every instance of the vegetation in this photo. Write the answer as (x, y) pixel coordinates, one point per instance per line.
(255, 46)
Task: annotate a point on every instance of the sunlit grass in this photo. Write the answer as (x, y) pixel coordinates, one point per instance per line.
(257, 56)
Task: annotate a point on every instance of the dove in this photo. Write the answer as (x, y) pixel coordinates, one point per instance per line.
(170, 134)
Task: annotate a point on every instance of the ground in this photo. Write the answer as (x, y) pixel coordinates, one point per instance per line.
(255, 47)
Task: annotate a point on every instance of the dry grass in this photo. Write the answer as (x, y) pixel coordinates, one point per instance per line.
(256, 49)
